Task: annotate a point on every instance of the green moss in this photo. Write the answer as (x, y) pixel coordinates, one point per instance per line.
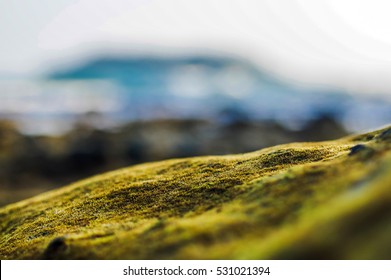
(302, 200)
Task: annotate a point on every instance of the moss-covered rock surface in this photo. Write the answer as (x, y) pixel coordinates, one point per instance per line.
(303, 200)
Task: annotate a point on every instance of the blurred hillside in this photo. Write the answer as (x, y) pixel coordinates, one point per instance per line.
(202, 86)
(124, 89)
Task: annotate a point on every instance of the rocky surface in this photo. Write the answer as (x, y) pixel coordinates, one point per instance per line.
(325, 200)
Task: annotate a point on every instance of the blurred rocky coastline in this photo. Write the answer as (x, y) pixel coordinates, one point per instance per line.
(31, 164)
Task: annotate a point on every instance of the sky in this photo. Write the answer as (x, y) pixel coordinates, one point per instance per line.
(339, 43)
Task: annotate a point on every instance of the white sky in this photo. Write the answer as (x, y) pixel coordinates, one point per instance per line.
(345, 43)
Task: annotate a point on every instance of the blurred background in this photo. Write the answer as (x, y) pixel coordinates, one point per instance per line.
(90, 86)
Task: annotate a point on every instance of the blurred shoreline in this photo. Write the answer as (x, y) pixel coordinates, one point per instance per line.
(31, 164)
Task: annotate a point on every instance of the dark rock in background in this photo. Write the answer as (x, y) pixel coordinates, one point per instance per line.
(32, 164)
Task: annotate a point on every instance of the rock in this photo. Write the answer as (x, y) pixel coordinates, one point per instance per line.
(363, 151)
(385, 135)
(294, 201)
(55, 247)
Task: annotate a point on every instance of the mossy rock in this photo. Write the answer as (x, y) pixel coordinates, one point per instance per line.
(326, 200)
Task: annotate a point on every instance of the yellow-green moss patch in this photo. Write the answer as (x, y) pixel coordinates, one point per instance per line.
(302, 200)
